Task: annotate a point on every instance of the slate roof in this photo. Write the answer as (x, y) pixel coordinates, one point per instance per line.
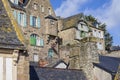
(71, 21)
(38, 73)
(19, 6)
(54, 64)
(8, 35)
(109, 64)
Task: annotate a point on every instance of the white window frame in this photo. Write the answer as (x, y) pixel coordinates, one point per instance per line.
(35, 57)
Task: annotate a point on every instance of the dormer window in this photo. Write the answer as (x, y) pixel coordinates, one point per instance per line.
(14, 1)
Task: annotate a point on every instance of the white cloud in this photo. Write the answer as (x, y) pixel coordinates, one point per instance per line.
(69, 7)
(109, 13)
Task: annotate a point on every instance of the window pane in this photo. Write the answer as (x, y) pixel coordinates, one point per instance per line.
(50, 53)
(33, 41)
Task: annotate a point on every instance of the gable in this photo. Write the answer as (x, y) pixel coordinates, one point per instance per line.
(83, 26)
(61, 65)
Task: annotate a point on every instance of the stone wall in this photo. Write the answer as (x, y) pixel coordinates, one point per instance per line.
(23, 68)
(114, 54)
(44, 32)
(81, 56)
(100, 74)
(67, 35)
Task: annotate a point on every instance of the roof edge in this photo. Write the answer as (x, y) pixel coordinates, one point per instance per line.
(14, 23)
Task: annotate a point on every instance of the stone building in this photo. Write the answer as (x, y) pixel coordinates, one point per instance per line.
(75, 29)
(38, 22)
(14, 64)
(79, 45)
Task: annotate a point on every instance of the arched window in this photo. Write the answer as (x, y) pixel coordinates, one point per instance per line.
(35, 40)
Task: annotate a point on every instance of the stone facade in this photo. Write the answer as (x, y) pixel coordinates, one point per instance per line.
(76, 28)
(47, 30)
(114, 54)
(80, 56)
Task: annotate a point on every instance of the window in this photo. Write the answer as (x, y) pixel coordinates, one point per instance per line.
(36, 41)
(49, 11)
(50, 53)
(42, 9)
(35, 6)
(35, 57)
(99, 45)
(34, 21)
(83, 34)
(21, 19)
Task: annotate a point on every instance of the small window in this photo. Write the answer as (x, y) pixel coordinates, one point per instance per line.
(34, 21)
(35, 6)
(49, 11)
(83, 34)
(21, 19)
(42, 8)
(36, 41)
(35, 57)
(50, 53)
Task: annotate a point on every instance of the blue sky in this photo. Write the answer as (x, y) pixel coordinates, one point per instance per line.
(106, 11)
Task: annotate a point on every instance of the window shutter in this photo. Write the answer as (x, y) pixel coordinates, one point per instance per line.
(38, 42)
(31, 20)
(18, 17)
(38, 22)
(25, 20)
(32, 41)
(41, 42)
(14, 13)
